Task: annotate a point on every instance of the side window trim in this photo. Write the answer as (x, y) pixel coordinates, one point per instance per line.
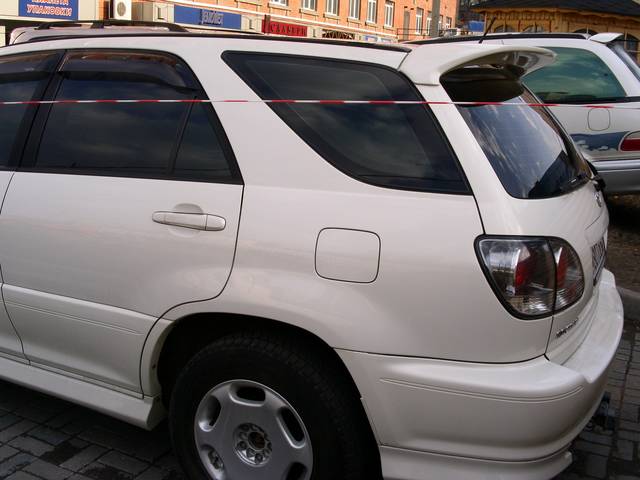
(39, 123)
(466, 187)
(20, 144)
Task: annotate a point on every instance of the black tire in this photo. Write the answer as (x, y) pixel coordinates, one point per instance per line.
(303, 374)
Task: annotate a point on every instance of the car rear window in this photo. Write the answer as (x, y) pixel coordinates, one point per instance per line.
(576, 76)
(394, 146)
(526, 148)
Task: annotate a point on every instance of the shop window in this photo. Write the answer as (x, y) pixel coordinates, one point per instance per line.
(504, 29)
(534, 29)
(156, 140)
(576, 76)
(22, 78)
(393, 146)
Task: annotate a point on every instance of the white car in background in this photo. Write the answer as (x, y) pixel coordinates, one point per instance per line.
(322, 290)
(594, 71)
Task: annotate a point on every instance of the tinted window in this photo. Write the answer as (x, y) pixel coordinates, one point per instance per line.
(130, 139)
(576, 76)
(22, 78)
(525, 148)
(398, 146)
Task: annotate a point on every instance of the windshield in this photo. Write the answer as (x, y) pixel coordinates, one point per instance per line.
(526, 148)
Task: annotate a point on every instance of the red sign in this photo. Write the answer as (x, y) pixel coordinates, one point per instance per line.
(279, 28)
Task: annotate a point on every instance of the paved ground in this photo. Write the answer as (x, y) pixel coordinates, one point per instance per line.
(45, 438)
(623, 257)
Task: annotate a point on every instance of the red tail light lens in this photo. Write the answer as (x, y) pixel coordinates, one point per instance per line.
(631, 143)
(534, 277)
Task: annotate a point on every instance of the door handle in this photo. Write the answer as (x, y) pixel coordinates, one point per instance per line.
(195, 221)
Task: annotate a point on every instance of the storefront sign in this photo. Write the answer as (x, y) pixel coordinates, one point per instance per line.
(60, 9)
(338, 34)
(207, 18)
(279, 28)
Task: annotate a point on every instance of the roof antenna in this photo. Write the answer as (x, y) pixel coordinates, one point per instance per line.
(486, 32)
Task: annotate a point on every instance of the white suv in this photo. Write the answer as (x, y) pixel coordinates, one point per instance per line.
(589, 71)
(312, 290)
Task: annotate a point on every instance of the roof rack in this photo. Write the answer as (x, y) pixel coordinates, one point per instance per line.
(233, 34)
(500, 36)
(96, 24)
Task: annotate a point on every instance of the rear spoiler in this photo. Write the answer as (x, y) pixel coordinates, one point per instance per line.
(425, 65)
(606, 38)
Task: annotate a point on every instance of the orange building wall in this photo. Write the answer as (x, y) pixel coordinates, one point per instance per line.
(318, 18)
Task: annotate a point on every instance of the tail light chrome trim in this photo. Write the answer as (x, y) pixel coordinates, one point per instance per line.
(533, 277)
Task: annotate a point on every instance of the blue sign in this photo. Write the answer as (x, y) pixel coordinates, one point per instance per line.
(59, 9)
(206, 18)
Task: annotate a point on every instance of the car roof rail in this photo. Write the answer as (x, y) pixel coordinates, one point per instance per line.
(96, 24)
(499, 36)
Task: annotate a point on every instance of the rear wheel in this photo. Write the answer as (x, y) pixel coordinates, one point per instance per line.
(252, 406)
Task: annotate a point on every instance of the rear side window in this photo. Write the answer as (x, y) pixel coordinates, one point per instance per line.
(22, 78)
(395, 146)
(175, 140)
(576, 76)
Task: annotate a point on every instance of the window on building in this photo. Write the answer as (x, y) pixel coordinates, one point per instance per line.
(534, 29)
(354, 9)
(504, 28)
(309, 4)
(389, 12)
(175, 140)
(428, 23)
(440, 19)
(332, 7)
(22, 78)
(449, 21)
(393, 146)
(372, 11)
(280, 2)
(419, 19)
(576, 76)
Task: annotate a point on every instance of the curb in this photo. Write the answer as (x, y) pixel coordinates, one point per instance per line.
(631, 302)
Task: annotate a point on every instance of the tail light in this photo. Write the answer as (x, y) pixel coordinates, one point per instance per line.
(533, 277)
(631, 143)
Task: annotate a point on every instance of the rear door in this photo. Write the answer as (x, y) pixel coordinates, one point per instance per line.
(23, 77)
(119, 212)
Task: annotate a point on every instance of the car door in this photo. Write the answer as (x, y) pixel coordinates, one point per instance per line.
(119, 212)
(23, 77)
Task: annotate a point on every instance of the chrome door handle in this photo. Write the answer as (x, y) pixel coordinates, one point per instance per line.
(195, 221)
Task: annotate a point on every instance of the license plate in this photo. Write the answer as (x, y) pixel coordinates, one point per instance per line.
(598, 258)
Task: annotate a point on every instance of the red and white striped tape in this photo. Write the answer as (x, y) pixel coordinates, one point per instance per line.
(328, 102)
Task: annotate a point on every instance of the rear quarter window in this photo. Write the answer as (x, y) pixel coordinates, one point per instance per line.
(394, 146)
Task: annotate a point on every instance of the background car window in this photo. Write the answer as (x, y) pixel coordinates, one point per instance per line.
(397, 146)
(576, 76)
(130, 139)
(22, 78)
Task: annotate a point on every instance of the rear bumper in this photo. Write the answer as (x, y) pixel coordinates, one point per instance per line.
(507, 420)
(621, 176)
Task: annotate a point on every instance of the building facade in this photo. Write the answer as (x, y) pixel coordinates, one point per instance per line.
(573, 16)
(365, 20)
(22, 13)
